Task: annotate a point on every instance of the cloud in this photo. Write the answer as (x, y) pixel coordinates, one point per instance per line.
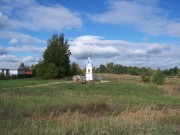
(23, 38)
(94, 40)
(29, 59)
(81, 46)
(13, 41)
(157, 49)
(33, 16)
(3, 50)
(136, 52)
(81, 51)
(144, 15)
(8, 58)
(174, 29)
(102, 48)
(3, 20)
(26, 48)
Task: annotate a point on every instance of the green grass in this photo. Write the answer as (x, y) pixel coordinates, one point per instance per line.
(12, 83)
(102, 108)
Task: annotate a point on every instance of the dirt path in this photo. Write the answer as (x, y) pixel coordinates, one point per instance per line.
(47, 84)
(54, 83)
(40, 85)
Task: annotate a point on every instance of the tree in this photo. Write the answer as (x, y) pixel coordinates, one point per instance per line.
(56, 63)
(102, 68)
(158, 77)
(41, 69)
(109, 67)
(51, 71)
(74, 69)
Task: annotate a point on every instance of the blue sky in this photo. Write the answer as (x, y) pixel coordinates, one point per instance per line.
(128, 32)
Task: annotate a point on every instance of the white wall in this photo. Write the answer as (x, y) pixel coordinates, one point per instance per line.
(13, 72)
(89, 76)
(88, 68)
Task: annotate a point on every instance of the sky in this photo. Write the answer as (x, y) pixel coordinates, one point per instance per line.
(143, 33)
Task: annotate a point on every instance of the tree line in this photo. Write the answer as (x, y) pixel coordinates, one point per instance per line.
(133, 70)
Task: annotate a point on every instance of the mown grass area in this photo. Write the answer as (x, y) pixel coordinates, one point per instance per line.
(12, 83)
(117, 107)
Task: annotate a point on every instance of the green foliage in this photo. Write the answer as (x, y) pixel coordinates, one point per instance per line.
(56, 63)
(109, 67)
(2, 77)
(120, 69)
(75, 70)
(116, 69)
(171, 71)
(146, 73)
(51, 71)
(145, 78)
(158, 77)
(178, 73)
(41, 69)
(102, 68)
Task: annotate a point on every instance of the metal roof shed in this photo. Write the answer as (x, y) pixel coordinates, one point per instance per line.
(12, 68)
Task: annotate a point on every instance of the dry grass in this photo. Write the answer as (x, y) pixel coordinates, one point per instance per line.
(143, 121)
(171, 90)
(91, 107)
(172, 86)
(121, 78)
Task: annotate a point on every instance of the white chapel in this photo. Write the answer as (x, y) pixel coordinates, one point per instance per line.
(89, 66)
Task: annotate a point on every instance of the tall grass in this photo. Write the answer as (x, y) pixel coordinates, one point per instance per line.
(143, 121)
(117, 107)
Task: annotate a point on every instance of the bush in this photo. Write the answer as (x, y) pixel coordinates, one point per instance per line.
(158, 77)
(145, 78)
(2, 77)
(178, 73)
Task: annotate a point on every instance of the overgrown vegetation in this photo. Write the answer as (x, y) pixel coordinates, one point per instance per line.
(158, 77)
(75, 70)
(122, 106)
(145, 78)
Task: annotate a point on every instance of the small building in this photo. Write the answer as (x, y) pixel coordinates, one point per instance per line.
(12, 68)
(89, 67)
(76, 78)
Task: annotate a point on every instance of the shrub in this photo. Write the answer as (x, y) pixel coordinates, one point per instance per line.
(178, 73)
(158, 77)
(145, 78)
(2, 77)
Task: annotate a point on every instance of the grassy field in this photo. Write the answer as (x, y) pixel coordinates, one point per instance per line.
(125, 105)
(14, 83)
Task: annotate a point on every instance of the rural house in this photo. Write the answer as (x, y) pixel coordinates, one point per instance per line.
(12, 68)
